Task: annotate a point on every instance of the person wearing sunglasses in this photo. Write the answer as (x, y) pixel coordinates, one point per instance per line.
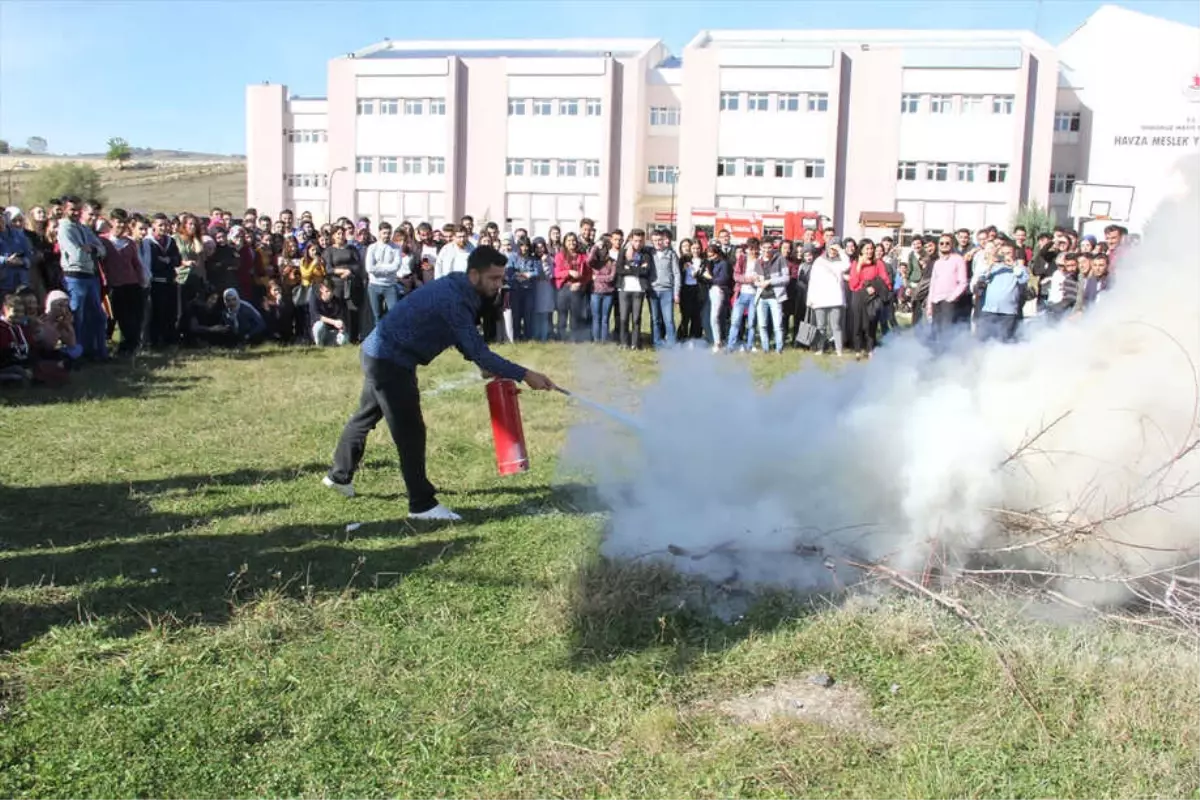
(947, 283)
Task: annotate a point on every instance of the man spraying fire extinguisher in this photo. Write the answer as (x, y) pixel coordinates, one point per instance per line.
(430, 320)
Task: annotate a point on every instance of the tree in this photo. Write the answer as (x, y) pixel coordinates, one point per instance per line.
(3, 148)
(58, 180)
(119, 151)
(36, 144)
(1035, 219)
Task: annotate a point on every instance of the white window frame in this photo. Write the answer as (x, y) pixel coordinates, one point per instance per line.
(789, 101)
(542, 107)
(941, 103)
(389, 107)
(412, 165)
(388, 165)
(568, 107)
(785, 168)
(664, 116)
(971, 104)
(437, 165)
(910, 103)
(364, 165)
(1067, 121)
(568, 168)
(726, 167)
(758, 101)
(754, 167)
(818, 102)
(729, 101)
(964, 173)
(539, 168)
(997, 173)
(906, 171)
(661, 174)
(814, 168)
(514, 167)
(594, 107)
(516, 106)
(437, 106)
(937, 171)
(591, 168)
(1062, 182)
(414, 107)
(1002, 104)
(365, 107)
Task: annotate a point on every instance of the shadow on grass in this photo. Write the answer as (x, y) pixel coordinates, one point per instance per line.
(619, 608)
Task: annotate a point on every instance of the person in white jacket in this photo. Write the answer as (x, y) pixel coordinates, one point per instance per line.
(453, 256)
(826, 295)
(388, 261)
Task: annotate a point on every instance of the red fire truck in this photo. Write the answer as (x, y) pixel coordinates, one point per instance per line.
(745, 224)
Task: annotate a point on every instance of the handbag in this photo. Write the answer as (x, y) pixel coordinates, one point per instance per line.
(808, 335)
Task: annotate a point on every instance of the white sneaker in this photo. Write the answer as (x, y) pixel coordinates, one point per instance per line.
(344, 489)
(439, 513)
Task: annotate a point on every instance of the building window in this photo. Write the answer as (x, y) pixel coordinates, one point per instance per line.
(364, 166)
(390, 108)
(591, 168)
(366, 108)
(755, 168)
(789, 102)
(568, 169)
(514, 167)
(543, 108)
(664, 115)
(1066, 121)
(972, 104)
(540, 167)
(906, 236)
(1002, 104)
(290, 180)
(414, 108)
(387, 164)
(412, 165)
(568, 108)
(437, 165)
(437, 106)
(814, 168)
(939, 171)
(965, 173)
(818, 102)
(661, 173)
(726, 167)
(910, 103)
(997, 173)
(516, 108)
(1061, 183)
(940, 103)
(757, 101)
(785, 169)
(729, 101)
(593, 107)
(906, 171)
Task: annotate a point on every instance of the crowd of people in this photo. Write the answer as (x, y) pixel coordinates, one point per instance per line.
(79, 282)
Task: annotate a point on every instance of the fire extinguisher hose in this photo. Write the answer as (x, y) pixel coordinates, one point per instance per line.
(612, 413)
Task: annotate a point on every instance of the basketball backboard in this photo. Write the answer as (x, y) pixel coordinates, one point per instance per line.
(1101, 201)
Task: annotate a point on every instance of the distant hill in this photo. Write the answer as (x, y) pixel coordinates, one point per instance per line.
(154, 154)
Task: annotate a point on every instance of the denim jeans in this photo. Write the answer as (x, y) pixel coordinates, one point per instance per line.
(662, 316)
(382, 299)
(91, 323)
(772, 306)
(602, 308)
(322, 333)
(829, 321)
(521, 301)
(541, 326)
(717, 308)
(744, 304)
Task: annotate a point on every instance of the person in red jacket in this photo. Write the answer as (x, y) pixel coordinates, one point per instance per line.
(870, 285)
(572, 276)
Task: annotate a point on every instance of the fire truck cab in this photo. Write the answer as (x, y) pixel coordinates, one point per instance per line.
(743, 225)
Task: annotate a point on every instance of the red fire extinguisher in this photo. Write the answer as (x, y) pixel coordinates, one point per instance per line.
(507, 431)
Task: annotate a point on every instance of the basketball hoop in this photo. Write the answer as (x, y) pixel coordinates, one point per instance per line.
(1102, 217)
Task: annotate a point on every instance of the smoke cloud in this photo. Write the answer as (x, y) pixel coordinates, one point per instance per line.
(907, 455)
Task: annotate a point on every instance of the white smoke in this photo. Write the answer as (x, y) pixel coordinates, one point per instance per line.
(905, 454)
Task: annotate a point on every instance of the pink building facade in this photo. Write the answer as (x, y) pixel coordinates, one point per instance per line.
(895, 131)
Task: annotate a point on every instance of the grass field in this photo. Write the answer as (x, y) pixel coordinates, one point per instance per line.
(185, 613)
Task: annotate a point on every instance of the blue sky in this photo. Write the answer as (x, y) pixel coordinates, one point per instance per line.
(140, 70)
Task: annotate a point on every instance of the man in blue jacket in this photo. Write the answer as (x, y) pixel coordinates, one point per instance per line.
(412, 334)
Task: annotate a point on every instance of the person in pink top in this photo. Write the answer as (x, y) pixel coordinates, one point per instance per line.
(572, 277)
(947, 283)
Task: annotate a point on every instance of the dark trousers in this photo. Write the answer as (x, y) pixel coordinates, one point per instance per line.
(164, 314)
(389, 393)
(864, 321)
(945, 315)
(691, 322)
(127, 308)
(990, 326)
(629, 318)
(489, 315)
(569, 304)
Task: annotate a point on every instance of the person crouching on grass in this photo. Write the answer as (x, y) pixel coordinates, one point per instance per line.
(412, 334)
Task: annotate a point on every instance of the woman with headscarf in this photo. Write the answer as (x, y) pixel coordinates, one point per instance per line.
(16, 255)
